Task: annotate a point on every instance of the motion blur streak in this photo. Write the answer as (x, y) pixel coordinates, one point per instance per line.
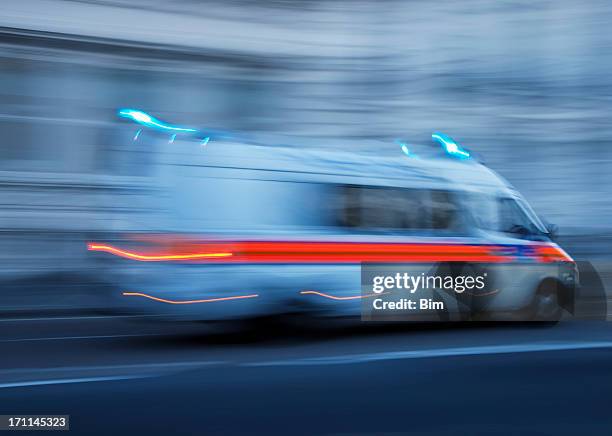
(209, 300)
(152, 258)
(441, 352)
(314, 252)
(335, 252)
(148, 121)
(332, 297)
(553, 253)
(450, 146)
(484, 294)
(67, 381)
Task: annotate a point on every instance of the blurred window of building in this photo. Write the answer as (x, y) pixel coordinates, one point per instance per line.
(49, 117)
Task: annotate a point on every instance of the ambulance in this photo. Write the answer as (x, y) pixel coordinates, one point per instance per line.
(250, 229)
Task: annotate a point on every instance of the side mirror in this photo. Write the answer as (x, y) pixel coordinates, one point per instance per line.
(553, 231)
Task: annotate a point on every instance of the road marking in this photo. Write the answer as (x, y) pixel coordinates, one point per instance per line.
(128, 366)
(67, 338)
(62, 381)
(75, 318)
(138, 371)
(440, 352)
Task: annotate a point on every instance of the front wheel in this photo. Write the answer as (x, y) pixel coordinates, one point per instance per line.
(546, 303)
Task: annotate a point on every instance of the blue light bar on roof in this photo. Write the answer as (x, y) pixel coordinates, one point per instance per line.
(450, 146)
(147, 120)
(144, 119)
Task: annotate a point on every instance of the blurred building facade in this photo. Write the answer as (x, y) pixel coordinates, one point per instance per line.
(523, 83)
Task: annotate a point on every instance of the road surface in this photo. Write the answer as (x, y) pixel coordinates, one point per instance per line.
(141, 376)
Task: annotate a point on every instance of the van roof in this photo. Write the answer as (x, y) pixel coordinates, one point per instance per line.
(308, 164)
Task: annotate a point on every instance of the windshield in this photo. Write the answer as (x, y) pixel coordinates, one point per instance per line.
(532, 215)
(505, 215)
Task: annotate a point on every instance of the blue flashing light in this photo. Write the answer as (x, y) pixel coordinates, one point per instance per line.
(450, 146)
(147, 120)
(404, 148)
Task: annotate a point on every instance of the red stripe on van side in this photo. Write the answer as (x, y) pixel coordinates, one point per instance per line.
(308, 252)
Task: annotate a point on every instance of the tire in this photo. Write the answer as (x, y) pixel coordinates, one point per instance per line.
(546, 303)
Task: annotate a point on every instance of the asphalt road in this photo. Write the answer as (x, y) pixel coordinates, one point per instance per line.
(120, 375)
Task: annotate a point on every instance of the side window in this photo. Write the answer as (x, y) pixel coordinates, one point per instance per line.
(397, 209)
(483, 210)
(443, 210)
